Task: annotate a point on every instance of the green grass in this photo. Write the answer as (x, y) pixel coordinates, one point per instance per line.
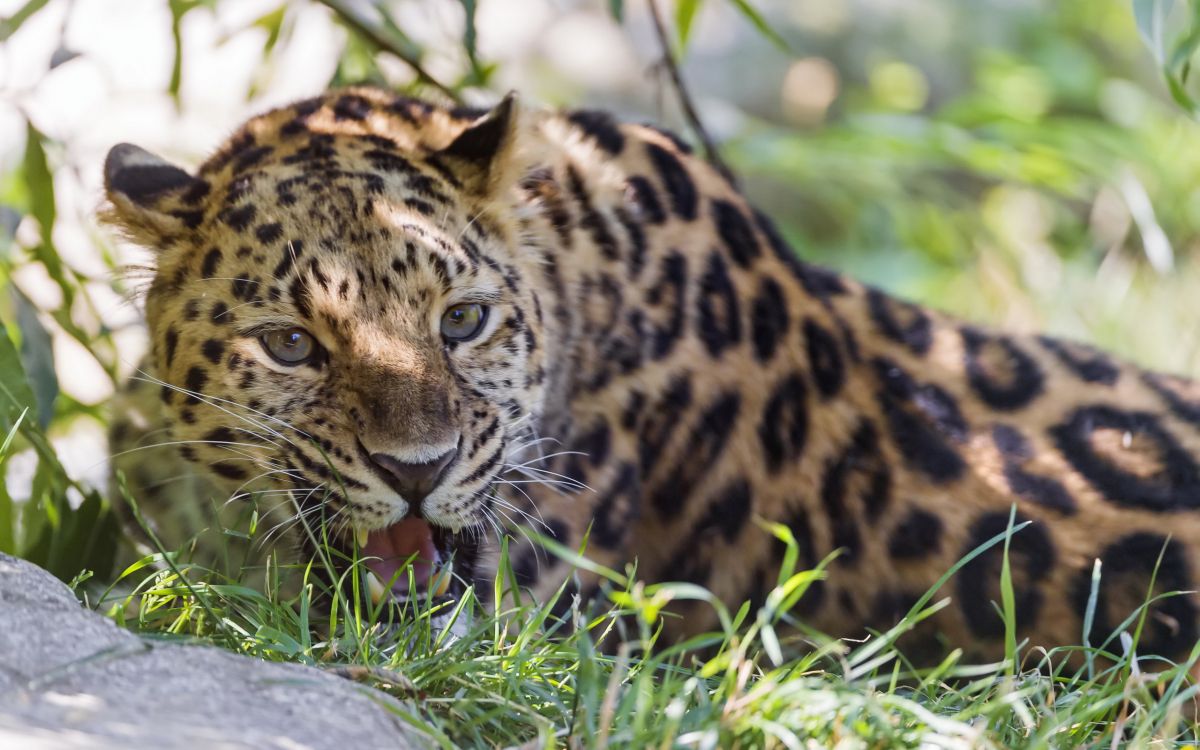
(597, 675)
(524, 677)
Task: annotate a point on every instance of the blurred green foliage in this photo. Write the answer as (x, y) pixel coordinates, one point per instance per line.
(911, 182)
(1172, 32)
(1032, 163)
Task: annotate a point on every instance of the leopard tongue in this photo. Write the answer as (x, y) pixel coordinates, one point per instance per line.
(388, 550)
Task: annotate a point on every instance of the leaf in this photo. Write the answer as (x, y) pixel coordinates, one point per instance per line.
(1151, 17)
(8, 522)
(770, 642)
(61, 56)
(10, 219)
(178, 9)
(10, 25)
(83, 538)
(1180, 95)
(357, 63)
(760, 23)
(397, 37)
(1160, 22)
(40, 183)
(12, 433)
(8, 515)
(93, 535)
(617, 9)
(272, 23)
(39, 180)
(15, 397)
(40, 517)
(685, 14)
(37, 358)
(1182, 52)
(469, 31)
(15, 394)
(1008, 607)
(61, 539)
(479, 73)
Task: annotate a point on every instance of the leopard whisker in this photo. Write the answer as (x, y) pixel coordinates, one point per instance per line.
(534, 471)
(243, 492)
(278, 490)
(219, 443)
(324, 506)
(235, 308)
(559, 486)
(489, 516)
(522, 447)
(522, 513)
(550, 456)
(152, 433)
(562, 479)
(300, 516)
(518, 423)
(168, 480)
(240, 492)
(521, 529)
(466, 226)
(213, 402)
(216, 402)
(230, 278)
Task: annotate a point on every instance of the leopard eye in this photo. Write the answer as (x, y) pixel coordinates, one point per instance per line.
(463, 322)
(290, 346)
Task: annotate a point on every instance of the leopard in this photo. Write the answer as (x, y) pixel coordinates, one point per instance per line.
(439, 328)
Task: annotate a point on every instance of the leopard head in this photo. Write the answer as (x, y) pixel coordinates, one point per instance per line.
(341, 313)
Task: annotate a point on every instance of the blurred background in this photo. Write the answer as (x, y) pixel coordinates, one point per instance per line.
(1018, 162)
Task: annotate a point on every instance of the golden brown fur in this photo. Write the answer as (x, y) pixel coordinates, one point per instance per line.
(693, 372)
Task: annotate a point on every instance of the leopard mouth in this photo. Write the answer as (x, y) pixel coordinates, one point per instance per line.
(410, 558)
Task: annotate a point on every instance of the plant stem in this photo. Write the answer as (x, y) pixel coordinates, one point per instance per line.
(711, 153)
(379, 36)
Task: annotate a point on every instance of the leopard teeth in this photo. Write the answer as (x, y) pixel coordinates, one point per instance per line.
(443, 580)
(361, 536)
(375, 588)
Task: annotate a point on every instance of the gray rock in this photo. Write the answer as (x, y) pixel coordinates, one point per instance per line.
(70, 678)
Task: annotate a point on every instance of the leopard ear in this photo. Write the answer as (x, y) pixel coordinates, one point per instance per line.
(148, 195)
(482, 155)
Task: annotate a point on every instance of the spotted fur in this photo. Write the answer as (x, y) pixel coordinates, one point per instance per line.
(658, 361)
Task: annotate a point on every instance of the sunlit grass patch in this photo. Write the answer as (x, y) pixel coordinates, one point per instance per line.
(555, 673)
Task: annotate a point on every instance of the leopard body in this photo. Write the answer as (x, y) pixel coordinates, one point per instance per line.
(659, 374)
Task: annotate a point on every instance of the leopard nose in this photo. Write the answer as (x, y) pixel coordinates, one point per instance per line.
(413, 480)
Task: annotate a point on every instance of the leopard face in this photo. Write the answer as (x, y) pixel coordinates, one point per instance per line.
(344, 319)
